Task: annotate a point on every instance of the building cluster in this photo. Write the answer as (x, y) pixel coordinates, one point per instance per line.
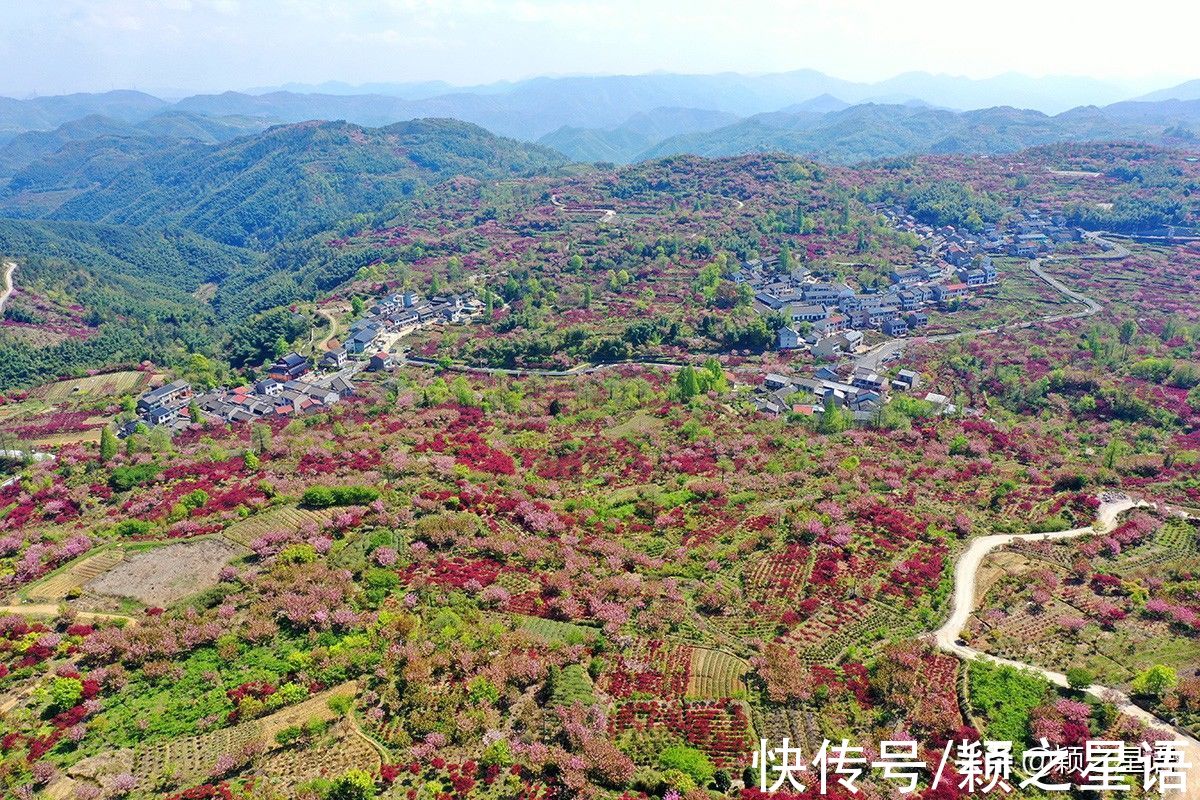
(400, 313)
(861, 391)
(291, 388)
(829, 317)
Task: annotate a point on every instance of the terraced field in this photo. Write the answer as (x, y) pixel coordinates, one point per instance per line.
(274, 519)
(715, 674)
(75, 576)
(285, 768)
(190, 758)
(555, 631)
(112, 384)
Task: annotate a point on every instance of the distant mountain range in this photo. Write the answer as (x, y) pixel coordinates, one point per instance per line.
(869, 131)
(533, 108)
(77, 142)
(30, 146)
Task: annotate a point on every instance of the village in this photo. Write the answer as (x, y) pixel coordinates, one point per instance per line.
(830, 319)
(294, 385)
(824, 317)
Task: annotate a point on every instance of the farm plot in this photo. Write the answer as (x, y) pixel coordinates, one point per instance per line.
(721, 728)
(113, 384)
(833, 628)
(191, 758)
(75, 576)
(715, 674)
(775, 723)
(556, 631)
(89, 436)
(284, 769)
(275, 519)
(651, 668)
(163, 575)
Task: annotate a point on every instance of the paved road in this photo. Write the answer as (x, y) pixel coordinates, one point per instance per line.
(966, 571)
(10, 267)
(581, 369)
(606, 214)
(21, 454)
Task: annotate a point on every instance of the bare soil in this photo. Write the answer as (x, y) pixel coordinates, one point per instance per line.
(161, 576)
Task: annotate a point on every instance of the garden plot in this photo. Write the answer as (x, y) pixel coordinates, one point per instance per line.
(190, 758)
(163, 575)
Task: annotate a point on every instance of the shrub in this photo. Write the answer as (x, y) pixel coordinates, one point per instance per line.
(354, 495)
(340, 704)
(65, 693)
(1155, 681)
(1079, 678)
(689, 761)
(317, 497)
(356, 784)
(327, 496)
(132, 527)
(298, 554)
(194, 500)
(123, 479)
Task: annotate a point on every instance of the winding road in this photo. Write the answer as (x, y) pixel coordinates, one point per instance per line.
(606, 214)
(966, 569)
(10, 267)
(878, 355)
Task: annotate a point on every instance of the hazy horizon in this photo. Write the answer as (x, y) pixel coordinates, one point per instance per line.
(179, 47)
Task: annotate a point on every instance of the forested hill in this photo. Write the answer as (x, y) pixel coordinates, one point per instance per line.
(870, 131)
(27, 148)
(290, 180)
(92, 295)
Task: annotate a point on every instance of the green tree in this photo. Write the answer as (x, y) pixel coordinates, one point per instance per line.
(833, 418)
(1112, 452)
(1128, 331)
(108, 444)
(687, 383)
(260, 438)
(355, 784)
(688, 760)
(1079, 678)
(1155, 681)
(357, 306)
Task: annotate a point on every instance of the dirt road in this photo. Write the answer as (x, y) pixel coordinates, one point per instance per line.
(10, 267)
(948, 637)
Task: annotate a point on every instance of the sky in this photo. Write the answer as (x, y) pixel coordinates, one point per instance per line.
(59, 46)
